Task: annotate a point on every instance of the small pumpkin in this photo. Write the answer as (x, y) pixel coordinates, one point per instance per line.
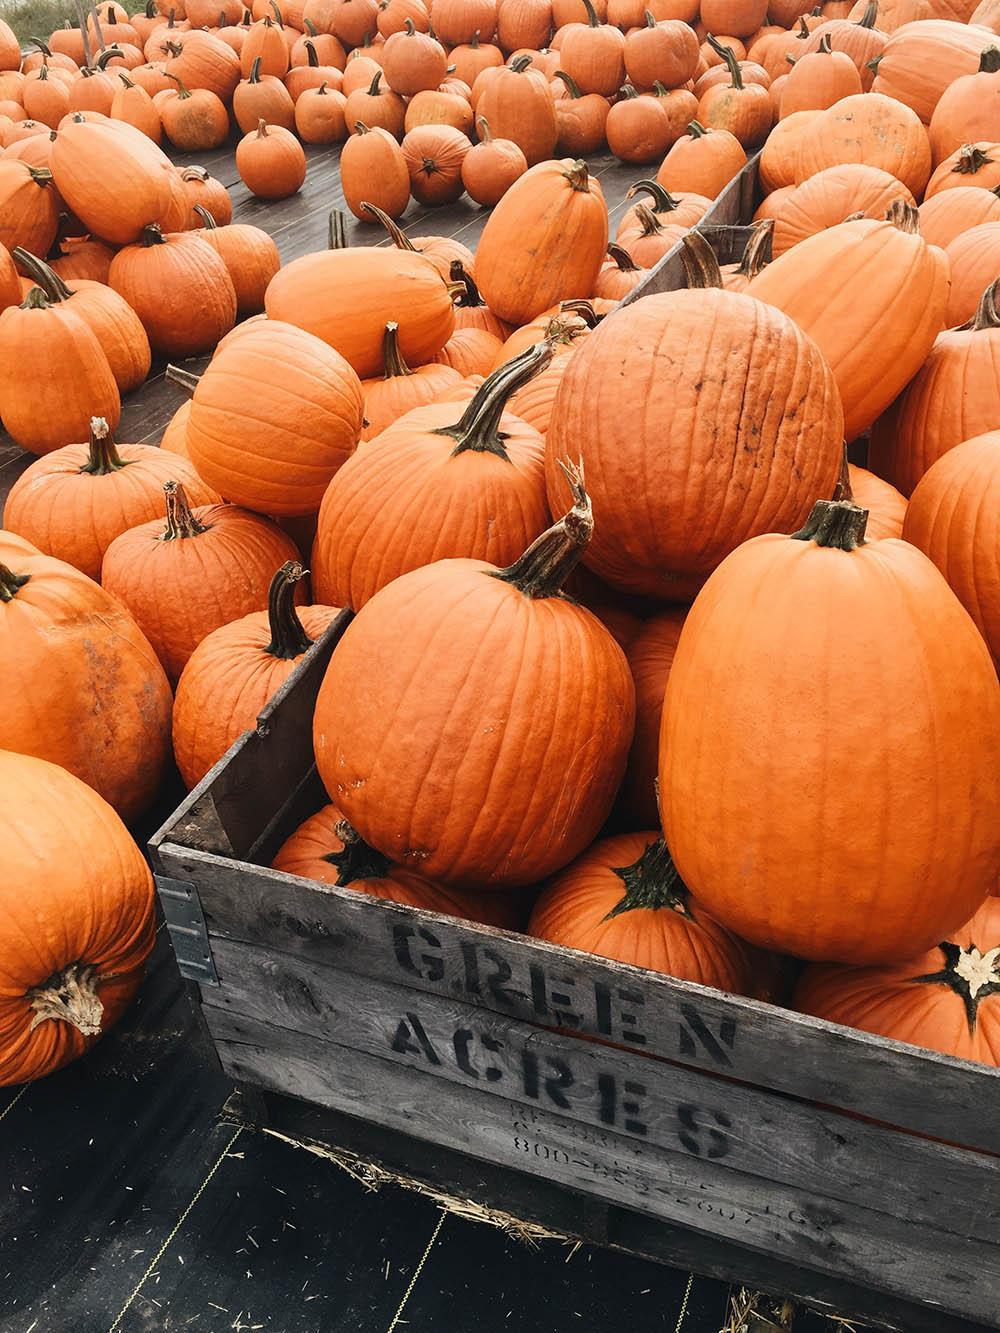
(593, 54)
(637, 128)
(373, 170)
(400, 389)
(491, 166)
(740, 107)
(434, 155)
(262, 97)
(271, 162)
(134, 106)
(202, 188)
(703, 162)
(470, 352)
(819, 79)
(974, 261)
(249, 254)
(619, 274)
(319, 115)
(376, 107)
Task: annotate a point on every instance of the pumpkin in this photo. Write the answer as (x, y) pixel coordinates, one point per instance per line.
(203, 189)
(581, 120)
(236, 669)
(643, 397)
(684, 210)
(351, 21)
(506, 656)
(619, 275)
(72, 503)
(623, 899)
(179, 287)
(739, 17)
(920, 60)
(87, 693)
(10, 48)
(262, 97)
(54, 375)
(954, 395)
(860, 39)
(434, 155)
(442, 481)
(194, 121)
(831, 197)
(413, 61)
(975, 164)
(78, 921)
(95, 89)
(45, 98)
(664, 53)
(562, 327)
(271, 162)
(943, 1000)
(650, 653)
(319, 116)
(524, 23)
(637, 128)
(744, 109)
(703, 162)
(204, 568)
(115, 182)
(399, 389)
(203, 61)
(359, 71)
(886, 507)
(249, 254)
(273, 417)
(545, 241)
(265, 42)
(311, 74)
(491, 167)
(593, 54)
(376, 107)
(974, 261)
(848, 877)
(518, 105)
(327, 849)
(134, 106)
(952, 518)
(461, 21)
(373, 170)
(648, 240)
(29, 207)
(438, 107)
(947, 214)
(871, 129)
(10, 284)
(472, 57)
(819, 79)
(969, 108)
(778, 156)
(877, 321)
(469, 352)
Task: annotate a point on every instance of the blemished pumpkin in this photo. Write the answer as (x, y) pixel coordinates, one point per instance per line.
(527, 695)
(327, 849)
(201, 569)
(877, 322)
(443, 482)
(865, 870)
(650, 654)
(947, 999)
(623, 899)
(643, 397)
(273, 417)
(346, 297)
(400, 389)
(236, 669)
(87, 692)
(271, 162)
(869, 128)
(74, 502)
(953, 396)
(77, 920)
(953, 518)
(544, 242)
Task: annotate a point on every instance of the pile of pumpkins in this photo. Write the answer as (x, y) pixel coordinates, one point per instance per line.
(640, 663)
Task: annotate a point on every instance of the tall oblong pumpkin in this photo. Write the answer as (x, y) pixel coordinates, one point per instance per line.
(503, 765)
(830, 747)
(703, 419)
(544, 242)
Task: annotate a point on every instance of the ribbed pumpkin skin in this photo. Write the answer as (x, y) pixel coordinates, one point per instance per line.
(980, 169)
(954, 518)
(115, 183)
(305, 853)
(650, 656)
(227, 681)
(974, 259)
(181, 590)
(503, 765)
(826, 199)
(86, 690)
(573, 911)
(74, 889)
(949, 213)
(252, 259)
(641, 402)
(877, 322)
(74, 515)
(388, 398)
(406, 499)
(544, 242)
(889, 1001)
(876, 836)
(920, 60)
(886, 507)
(953, 396)
(273, 417)
(346, 297)
(872, 129)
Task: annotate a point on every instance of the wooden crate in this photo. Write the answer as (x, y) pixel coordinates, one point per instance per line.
(698, 1127)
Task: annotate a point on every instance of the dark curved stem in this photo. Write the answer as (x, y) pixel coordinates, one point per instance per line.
(11, 583)
(357, 860)
(478, 428)
(288, 637)
(552, 557)
(181, 522)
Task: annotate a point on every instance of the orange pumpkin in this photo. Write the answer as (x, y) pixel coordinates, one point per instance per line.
(920, 60)
(742, 108)
(819, 79)
(414, 61)
(976, 164)
(491, 166)
(664, 52)
(703, 162)
(581, 119)
(969, 108)
(593, 54)
(974, 261)
(376, 107)
(872, 129)
(434, 155)
(518, 104)
(862, 39)
(262, 97)
(271, 162)
(319, 115)
(249, 254)
(115, 182)
(400, 389)
(373, 170)
(947, 214)
(650, 654)
(831, 197)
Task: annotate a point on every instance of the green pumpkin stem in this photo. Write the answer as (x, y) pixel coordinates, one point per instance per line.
(867, 19)
(550, 559)
(696, 129)
(701, 265)
(42, 275)
(103, 456)
(254, 75)
(357, 860)
(836, 523)
(288, 636)
(181, 522)
(572, 87)
(652, 882)
(519, 63)
(11, 583)
(398, 237)
(478, 428)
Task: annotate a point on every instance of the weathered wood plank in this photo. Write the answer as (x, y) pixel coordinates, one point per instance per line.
(875, 1250)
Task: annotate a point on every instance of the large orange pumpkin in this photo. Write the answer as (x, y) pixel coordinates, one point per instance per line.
(954, 518)
(844, 841)
(76, 918)
(526, 701)
(623, 899)
(115, 182)
(517, 103)
(643, 400)
(868, 128)
(920, 60)
(273, 417)
(974, 262)
(86, 690)
(947, 999)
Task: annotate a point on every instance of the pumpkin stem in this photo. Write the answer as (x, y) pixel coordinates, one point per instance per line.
(478, 428)
(206, 217)
(572, 87)
(357, 860)
(701, 266)
(373, 87)
(592, 20)
(337, 232)
(970, 973)
(44, 277)
(663, 200)
(989, 61)
(277, 14)
(836, 523)
(71, 997)
(288, 636)
(729, 56)
(194, 174)
(262, 124)
(971, 159)
(103, 456)
(824, 45)
(35, 300)
(647, 220)
(582, 308)
(649, 19)
(398, 238)
(867, 19)
(519, 63)
(109, 53)
(475, 40)
(187, 379)
(551, 558)
(843, 489)
(483, 130)
(627, 91)
(622, 258)
(696, 129)
(988, 314)
(181, 522)
(652, 882)
(254, 76)
(10, 583)
(471, 298)
(757, 254)
(391, 355)
(578, 176)
(312, 56)
(410, 27)
(124, 78)
(310, 27)
(904, 216)
(152, 234)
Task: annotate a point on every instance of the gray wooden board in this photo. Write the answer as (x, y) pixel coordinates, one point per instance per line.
(829, 1156)
(882, 1252)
